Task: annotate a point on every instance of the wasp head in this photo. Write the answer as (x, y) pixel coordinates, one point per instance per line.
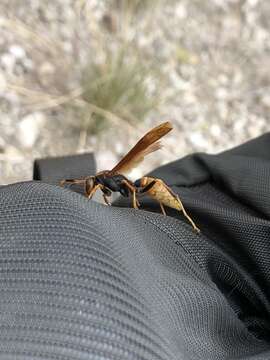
(89, 183)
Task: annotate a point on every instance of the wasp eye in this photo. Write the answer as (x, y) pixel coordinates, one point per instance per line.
(89, 184)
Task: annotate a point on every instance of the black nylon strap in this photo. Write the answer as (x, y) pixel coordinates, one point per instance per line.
(53, 170)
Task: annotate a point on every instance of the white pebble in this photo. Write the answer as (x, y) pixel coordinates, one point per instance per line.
(181, 11)
(265, 99)
(2, 144)
(252, 3)
(46, 69)
(3, 84)
(198, 140)
(215, 130)
(8, 61)
(17, 51)
(29, 129)
(221, 93)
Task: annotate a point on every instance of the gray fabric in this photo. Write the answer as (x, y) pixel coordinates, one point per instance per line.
(80, 280)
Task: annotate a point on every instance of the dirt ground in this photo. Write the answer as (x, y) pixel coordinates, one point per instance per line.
(211, 77)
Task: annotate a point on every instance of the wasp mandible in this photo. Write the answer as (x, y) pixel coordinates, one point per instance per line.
(109, 181)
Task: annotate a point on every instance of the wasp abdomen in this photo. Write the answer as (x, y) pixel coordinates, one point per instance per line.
(160, 192)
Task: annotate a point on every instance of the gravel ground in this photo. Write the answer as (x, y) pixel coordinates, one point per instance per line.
(213, 83)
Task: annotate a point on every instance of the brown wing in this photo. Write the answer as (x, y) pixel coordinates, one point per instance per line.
(146, 145)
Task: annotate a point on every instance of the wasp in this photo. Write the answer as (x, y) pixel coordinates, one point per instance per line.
(109, 181)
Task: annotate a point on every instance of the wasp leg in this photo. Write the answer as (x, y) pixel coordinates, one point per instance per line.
(135, 202)
(176, 198)
(141, 190)
(162, 209)
(93, 190)
(133, 190)
(106, 199)
(147, 188)
(106, 194)
(182, 207)
(186, 215)
(72, 181)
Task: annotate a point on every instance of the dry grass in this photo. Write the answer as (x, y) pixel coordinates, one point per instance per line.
(117, 86)
(113, 92)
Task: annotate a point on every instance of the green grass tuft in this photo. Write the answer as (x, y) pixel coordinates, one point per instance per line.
(134, 6)
(118, 86)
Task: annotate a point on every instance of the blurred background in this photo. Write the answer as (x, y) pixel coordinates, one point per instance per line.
(95, 75)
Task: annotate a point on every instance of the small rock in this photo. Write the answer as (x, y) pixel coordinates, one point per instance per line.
(28, 64)
(223, 79)
(46, 69)
(222, 93)
(3, 84)
(222, 109)
(215, 130)
(239, 125)
(181, 11)
(8, 62)
(17, 51)
(67, 46)
(265, 99)
(29, 129)
(198, 140)
(253, 3)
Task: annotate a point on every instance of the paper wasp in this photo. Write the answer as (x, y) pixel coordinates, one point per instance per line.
(109, 181)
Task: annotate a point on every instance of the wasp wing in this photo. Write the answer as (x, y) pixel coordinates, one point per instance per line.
(146, 145)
